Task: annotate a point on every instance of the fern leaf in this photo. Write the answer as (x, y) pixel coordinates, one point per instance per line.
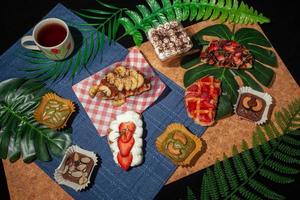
(263, 190)
(291, 141)
(182, 10)
(190, 195)
(212, 185)
(185, 10)
(248, 194)
(238, 164)
(288, 150)
(177, 9)
(221, 179)
(257, 154)
(247, 157)
(201, 9)
(275, 177)
(169, 12)
(194, 10)
(230, 175)
(209, 9)
(281, 168)
(107, 5)
(204, 188)
(285, 158)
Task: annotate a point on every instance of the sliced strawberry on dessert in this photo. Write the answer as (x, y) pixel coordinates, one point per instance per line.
(201, 104)
(126, 130)
(125, 161)
(125, 148)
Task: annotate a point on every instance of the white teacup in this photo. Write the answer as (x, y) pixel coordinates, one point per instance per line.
(51, 36)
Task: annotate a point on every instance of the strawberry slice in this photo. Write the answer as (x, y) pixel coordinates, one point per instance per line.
(204, 118)
(126, 130)
(125, 148)
(124, 161)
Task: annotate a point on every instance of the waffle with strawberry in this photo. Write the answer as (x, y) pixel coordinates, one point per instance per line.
(201, 99)
(125, 140)
(227, 53)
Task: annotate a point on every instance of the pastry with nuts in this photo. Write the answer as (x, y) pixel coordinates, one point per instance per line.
(178, 144)
(125, 140)
(201, 100)
(54, 111)
(169, 39)
(76, 168)
(227, 53)
(253, 105)
(119, 84)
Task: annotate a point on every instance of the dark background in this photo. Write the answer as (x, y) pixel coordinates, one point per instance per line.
(17, 17)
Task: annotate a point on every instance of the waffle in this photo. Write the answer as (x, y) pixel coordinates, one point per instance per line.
(120, 83)
(201, 100)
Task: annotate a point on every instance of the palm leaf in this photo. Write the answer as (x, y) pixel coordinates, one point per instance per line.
(20, 134)
(86, 49)
(183, 10)
(255, 41)
(275, 156)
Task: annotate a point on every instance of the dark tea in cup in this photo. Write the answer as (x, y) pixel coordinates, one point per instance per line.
(51, 35)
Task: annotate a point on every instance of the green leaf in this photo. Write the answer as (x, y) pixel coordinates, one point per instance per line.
(248, 80)
(20, 134)
(275, 177)
(247, 157)
(190, 60)
(230, 174)
(263, 74)
(169, 12)
(225, 108)
(246, 36)
(221, 179)
(238, 164)
(107, 5)
(190, 195)
(219, 30)
(263, 190)
(194, 10)
(247, 194)
(185, 10)
(277, 166)
(262, 55)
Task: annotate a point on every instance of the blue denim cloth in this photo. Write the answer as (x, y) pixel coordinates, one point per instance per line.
(109, 180)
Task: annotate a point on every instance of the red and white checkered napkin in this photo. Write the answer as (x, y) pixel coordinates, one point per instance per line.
(102, 112)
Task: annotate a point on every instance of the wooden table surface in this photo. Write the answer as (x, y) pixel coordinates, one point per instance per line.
(28, 181)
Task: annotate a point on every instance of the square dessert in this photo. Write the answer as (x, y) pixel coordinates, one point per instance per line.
(169, 40)
(54, 111)
(253, 105)
(76, 168)
(178, 144)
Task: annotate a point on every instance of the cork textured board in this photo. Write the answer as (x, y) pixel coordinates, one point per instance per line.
(29, 182)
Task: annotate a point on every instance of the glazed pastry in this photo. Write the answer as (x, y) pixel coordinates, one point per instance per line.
(169, 40)
(76, 168)
(253, 105)
(120, 83)
(178, 144)
(201, 99)
(54, 111)
(125, 140)
(227, 53)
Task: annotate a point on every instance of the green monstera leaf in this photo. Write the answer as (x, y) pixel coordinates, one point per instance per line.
(20, 134)
(261, 73)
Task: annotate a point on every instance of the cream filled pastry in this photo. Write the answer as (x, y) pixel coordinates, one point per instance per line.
(125, 139)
